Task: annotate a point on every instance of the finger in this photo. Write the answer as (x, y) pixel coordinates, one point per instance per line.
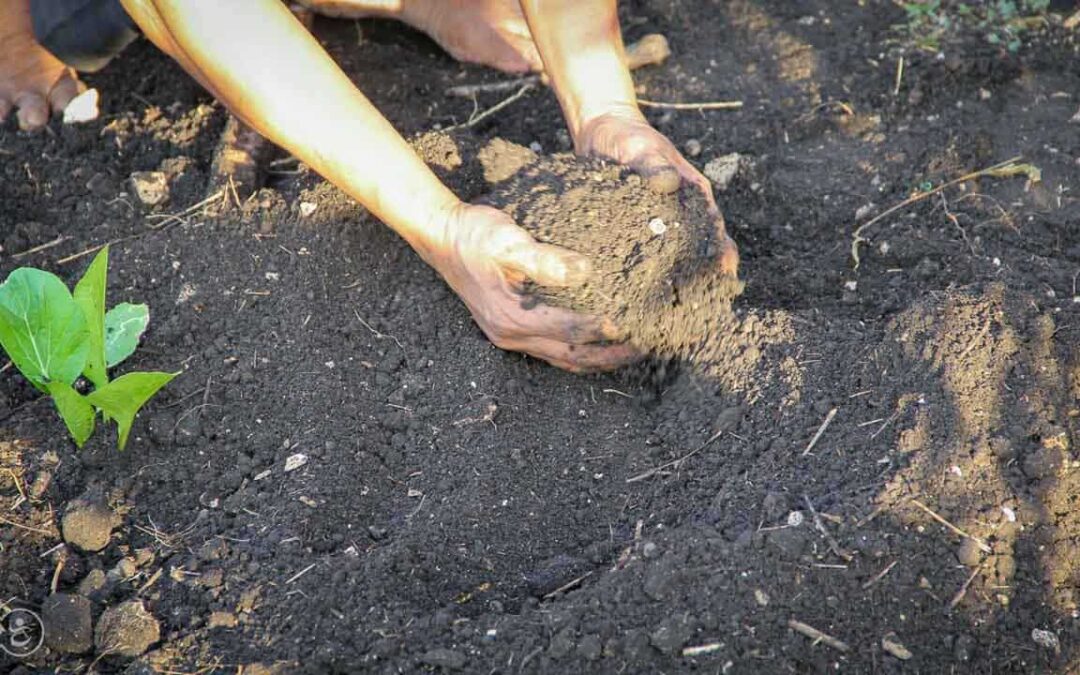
(531, 55)
(545, 264)
(661, 177)
(664, 181)
(5, 109)
(33, 111)
(521, 40)
(580, 358)
(728, 258)
(564, 325)
(62, 93)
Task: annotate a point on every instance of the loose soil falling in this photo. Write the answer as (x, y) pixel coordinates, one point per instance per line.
(451, 507)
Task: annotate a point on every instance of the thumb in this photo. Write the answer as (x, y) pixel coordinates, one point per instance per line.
(547, 265)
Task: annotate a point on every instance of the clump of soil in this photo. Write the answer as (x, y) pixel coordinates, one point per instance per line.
(655, 256)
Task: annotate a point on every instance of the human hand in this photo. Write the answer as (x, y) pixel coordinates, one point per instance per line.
(627, 138)
(485, 258)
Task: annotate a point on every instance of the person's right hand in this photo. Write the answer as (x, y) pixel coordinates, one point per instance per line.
(485, 257)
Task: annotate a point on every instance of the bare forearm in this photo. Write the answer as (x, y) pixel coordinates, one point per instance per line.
(261, 63)
(582, 49)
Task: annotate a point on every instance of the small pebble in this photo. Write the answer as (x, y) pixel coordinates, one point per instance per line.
(294, 462)
(657, 226)
(82, 108)
(891, 645)
(693, 147)
(1046, 639)
(151, 187)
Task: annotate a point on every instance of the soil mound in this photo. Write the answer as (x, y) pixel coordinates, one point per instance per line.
(655, 255)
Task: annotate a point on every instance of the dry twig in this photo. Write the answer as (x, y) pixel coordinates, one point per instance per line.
(983, 546)
(817, 636)
(834, 546)
(964, 589)
(568, 585)
(880, 575)
(675, 462)
(41, 247)
(1009, 167)
(703, 105)
(28, 528)
(477, 118)
(821, 430)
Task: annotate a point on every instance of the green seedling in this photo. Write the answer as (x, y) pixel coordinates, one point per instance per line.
(1001, 22)
(53, 337)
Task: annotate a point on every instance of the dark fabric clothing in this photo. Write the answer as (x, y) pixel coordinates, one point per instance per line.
(84, 34)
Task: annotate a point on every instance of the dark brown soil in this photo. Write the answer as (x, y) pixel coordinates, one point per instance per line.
(465, 508)
(656, 273)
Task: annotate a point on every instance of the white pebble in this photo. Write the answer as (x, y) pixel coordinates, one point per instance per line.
(864, 210)
(307, 208)
(795, 518)
(657, 226)
(82, 108)
(1045, 638)
(294, 462)
(851, 285)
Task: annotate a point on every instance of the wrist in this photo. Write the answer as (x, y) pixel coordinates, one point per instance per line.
(434, 240)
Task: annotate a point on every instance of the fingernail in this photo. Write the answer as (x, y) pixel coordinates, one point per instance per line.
(729, 258)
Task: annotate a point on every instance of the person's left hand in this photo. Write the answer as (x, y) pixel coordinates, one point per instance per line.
(627, 138)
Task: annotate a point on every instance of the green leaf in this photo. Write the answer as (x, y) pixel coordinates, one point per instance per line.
(90, 296)
(42, 329)
(74, 408)
(122, 398)
(124, 325)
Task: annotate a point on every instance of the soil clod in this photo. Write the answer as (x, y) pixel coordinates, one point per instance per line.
(127, 629)
(88, 525)
(68, 623)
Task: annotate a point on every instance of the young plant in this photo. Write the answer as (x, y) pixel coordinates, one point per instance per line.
(1002, 22)
(53, 336)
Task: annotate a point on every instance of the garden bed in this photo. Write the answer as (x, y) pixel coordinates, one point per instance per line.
(884, 455)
